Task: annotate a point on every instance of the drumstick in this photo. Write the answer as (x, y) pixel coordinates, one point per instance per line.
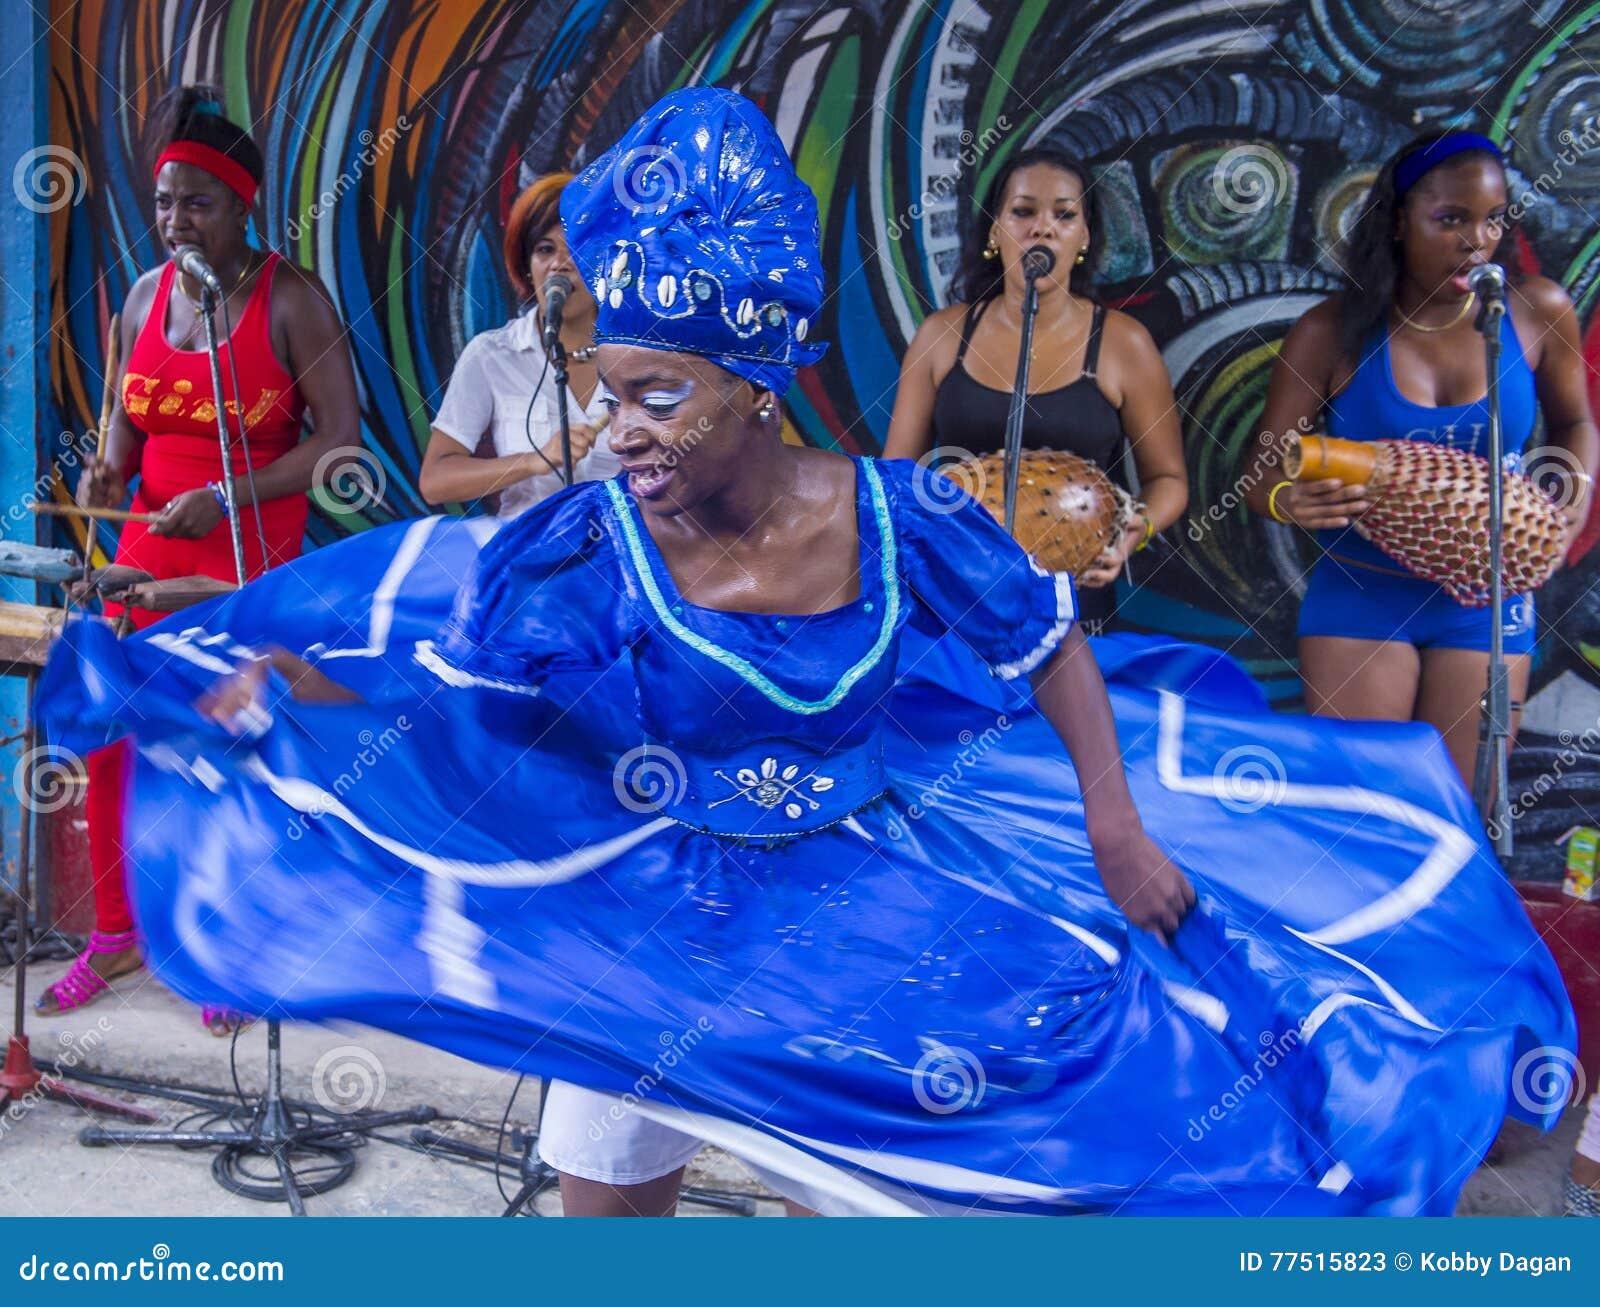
(107, 395)
(99, 514)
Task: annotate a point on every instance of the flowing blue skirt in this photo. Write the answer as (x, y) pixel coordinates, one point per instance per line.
(931, 1006)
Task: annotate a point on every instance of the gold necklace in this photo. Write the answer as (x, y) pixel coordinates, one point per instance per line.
(244, 275)
(248, 271)
(1466, 306)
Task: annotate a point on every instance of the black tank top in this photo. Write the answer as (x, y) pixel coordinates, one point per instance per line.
(1077, 418)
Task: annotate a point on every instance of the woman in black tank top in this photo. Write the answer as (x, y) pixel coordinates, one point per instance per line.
(955, 383)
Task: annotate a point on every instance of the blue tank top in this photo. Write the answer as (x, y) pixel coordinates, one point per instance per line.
(1371, 407)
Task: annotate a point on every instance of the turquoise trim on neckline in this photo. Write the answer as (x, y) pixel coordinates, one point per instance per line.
(741, 667)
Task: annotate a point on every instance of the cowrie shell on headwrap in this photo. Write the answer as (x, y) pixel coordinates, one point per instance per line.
(619, 263)
(616, 298)
(667, 290)
(800, 329)
(747, 312)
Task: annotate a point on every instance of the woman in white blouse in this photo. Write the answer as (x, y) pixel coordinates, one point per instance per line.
(504, 384)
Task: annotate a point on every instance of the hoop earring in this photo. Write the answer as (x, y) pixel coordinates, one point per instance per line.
(991, 251)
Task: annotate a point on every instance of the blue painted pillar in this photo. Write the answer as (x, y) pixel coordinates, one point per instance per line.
(25, 406)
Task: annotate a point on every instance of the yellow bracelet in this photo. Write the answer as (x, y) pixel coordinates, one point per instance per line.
(1272, 502)
(1149, 534)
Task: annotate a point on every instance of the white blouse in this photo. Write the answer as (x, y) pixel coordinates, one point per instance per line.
(493, 389)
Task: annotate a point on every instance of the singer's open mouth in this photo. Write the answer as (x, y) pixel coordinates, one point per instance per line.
(647, 479)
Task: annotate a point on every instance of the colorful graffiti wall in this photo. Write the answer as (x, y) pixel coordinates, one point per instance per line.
(1232, 143)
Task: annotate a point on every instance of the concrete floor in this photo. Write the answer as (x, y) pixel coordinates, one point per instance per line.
(143, 1030)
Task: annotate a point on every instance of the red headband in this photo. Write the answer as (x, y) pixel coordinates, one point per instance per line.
(229, 172)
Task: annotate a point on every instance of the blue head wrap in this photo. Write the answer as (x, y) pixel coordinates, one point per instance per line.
(695, 234)
(1411, 167)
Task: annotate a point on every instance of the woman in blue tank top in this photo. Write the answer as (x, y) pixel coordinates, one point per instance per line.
(1397, 357)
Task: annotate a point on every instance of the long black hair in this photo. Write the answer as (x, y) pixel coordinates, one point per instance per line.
(1371, 256)
(977, 278)
(194, 113)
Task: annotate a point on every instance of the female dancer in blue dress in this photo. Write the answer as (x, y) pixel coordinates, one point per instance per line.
(1397, 357)
(783, 839)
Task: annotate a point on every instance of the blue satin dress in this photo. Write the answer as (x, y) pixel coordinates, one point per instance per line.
(817, 888)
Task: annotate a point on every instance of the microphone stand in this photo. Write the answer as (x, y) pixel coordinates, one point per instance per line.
(558, 356)
(274, 1148)
(1491, 778)
(1019, 397)
(208, 310)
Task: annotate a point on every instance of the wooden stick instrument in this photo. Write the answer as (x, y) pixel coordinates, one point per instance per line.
(108, 394)
(99, 514)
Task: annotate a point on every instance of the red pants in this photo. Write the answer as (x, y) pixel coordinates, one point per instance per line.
(108, 770)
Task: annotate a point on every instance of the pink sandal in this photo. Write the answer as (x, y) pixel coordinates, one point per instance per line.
(224, 1021)
(82, 984)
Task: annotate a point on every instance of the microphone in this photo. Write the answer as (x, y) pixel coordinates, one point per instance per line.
(191, 261)
(556, 290)
(1037, 261)
(1488, 282)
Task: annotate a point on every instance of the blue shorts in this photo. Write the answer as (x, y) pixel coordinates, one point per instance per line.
(1359, 603)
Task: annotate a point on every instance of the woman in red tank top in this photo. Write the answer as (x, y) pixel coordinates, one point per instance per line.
(287, 345)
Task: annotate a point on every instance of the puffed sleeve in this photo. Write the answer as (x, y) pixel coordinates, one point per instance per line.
(971, 578)
(544, 596)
